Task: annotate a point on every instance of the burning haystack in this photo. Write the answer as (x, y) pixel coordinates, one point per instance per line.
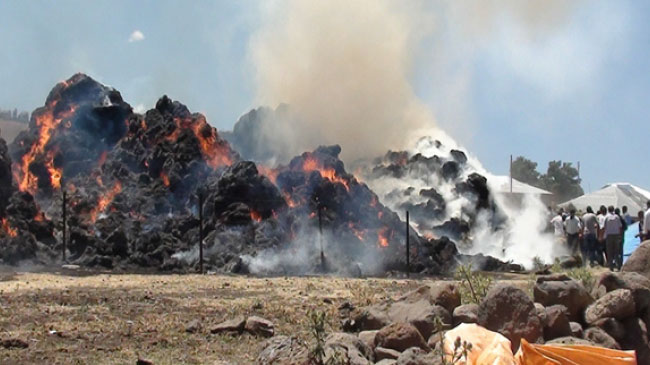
(140, 190)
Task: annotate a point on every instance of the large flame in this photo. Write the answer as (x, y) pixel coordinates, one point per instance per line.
(257, 217)
(46, 122)
(382, 239)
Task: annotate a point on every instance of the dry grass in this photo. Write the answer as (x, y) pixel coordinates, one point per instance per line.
(114, 319)
(10, 129)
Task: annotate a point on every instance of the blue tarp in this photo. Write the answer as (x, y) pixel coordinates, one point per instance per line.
(631, 242)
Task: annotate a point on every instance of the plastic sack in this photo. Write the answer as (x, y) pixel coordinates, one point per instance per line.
(533, 354)
(488, 348)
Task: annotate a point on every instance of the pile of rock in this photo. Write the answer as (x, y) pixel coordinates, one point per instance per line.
(615, 314)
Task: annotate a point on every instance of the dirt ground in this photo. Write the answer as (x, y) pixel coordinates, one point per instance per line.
(67, 318)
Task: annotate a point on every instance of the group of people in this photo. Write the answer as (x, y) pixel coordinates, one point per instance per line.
(599, 237)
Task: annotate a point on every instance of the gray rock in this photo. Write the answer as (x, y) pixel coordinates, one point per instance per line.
(541, 313)
(258, 326)
(417, 356)
(639, 260)
(348, 346)
(601, 338)
(557, 323)
(194, 326)
(569, 293)
(420, 314)
(382, 353)
(617, 304)
(570, 341)
(283, 350)
(232, 326)
(368, 337)
(467, 313)
(612, 326)
(576, 329)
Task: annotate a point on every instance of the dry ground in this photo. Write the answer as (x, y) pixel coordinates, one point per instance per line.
(114, 319)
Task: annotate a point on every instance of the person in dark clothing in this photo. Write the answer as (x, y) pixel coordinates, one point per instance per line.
(624, 224)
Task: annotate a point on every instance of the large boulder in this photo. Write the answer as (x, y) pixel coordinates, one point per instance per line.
(349, 347)
(639, 261)
(258, 326)
(557, 322)
(400, 336)
(509, 311)
(617, 304)
(421, 314)
(444, 294)
(569, 293)
(637, 283)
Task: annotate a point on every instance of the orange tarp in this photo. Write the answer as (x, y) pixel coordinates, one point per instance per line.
(491, 348)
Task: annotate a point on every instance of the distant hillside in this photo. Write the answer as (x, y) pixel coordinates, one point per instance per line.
(9, 129)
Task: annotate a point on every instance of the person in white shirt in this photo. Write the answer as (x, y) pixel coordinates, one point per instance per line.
(646, 222)
(589, 238)
(613, 231)
(572, 227)
(558, 226)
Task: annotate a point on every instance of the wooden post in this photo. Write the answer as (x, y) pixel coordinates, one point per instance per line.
(64, 214)
(201, 231)
(320, 229)
(408, 248)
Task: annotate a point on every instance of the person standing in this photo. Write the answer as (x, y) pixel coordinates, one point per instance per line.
(612, 233)
(572, 227)
(558, 226)
(622, 244)
(626, 216)
(600, 247)
(590, 239)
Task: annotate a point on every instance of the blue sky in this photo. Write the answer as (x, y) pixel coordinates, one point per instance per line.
(573, 86)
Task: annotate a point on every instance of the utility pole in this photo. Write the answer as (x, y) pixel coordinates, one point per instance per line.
(64, 209)
(200, 231)
(320, 229)
(408, 248)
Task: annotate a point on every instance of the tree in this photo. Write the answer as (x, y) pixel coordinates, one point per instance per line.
(525, 171)
(562, 180)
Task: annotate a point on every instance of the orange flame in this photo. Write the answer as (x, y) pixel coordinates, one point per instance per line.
(216, 154)
(360, 233)
(257, 217)
(165, 178)
(289, 201)
(105, 200)
(382, 240)
(12, 232)
(55, 173)
(271, 174)
(46, 123)
(311, 164)
(102, 159)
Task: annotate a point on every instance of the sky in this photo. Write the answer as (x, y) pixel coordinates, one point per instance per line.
(568, 80)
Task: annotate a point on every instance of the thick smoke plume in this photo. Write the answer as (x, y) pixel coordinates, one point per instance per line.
(344, 68)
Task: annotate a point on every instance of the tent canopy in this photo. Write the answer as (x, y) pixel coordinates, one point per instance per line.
(616, 194)
(501, 184)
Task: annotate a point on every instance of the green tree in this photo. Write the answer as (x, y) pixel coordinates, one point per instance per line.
(562, 180)
(525, 171)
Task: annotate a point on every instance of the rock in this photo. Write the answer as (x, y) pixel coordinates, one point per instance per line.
(576, 329)
(639, 260)
(368, 337)
(553, 277)
(371, 318)
(258, 326)
(193, 327)
(637, 283)
(283, 350)
(435, 339)
(569, 293)
(420, 314)
(612, 326)
(467, 313)
(144, 362)
(570, 341)
(509, 311)
(14, 343)
(386, 362)
(232, 326)
(617, 304)
(417, 356)
(569, 262)
(444, 294)
(349, 347)
(557, 324)
(636, 338)
(541, 313)
(601, 338)
(400, 336)
(382, 353)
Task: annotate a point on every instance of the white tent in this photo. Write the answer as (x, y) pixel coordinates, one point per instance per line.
(501, 184)
(616, 194)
